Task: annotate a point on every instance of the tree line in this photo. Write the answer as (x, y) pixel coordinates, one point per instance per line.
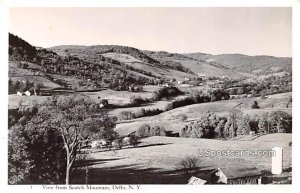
(210, 125)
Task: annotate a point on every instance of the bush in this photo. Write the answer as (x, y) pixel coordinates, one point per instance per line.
(143, 131)
(254, 105)
(117, 143)
(127, 115)
(188, 163)
(133, 140)
(137, 100)
(157, 131)
(165, 92)
(182, 117)
(146, 131)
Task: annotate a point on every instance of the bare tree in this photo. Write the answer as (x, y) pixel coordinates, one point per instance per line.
(188, 163)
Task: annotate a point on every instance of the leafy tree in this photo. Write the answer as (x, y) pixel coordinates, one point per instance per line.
(133, 140)
(264, 123)
(243, 125)
(254, 105)
(220, 129)
(233, 117)
(146, 130)
(61, 127)
(19, 162)
(279, 118)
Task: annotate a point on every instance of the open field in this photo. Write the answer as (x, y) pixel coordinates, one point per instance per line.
(155, 70)
(33, 75)
(209, 70)
(114, 97)
(170, 119)
(157, 156)
(14, 100)
(118, 97)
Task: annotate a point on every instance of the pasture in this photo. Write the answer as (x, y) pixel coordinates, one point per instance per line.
(157, 156)
(171, 121)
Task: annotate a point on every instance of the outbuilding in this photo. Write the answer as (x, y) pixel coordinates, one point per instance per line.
(196, 181)
(234, 175)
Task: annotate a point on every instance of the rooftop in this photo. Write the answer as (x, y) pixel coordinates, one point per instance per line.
(233, 172)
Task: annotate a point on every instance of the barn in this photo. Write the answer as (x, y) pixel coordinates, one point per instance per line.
(196, 181)
(233, 175)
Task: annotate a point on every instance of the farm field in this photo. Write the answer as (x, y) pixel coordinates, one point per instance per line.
(157, 156)
(120, 97)
(210, 70)
(155, 70)
(171, 121)
(14, 100)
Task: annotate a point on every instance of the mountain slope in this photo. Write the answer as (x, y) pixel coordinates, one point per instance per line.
(195, 65)
(129, 58)
(72, 71)
(257, 65)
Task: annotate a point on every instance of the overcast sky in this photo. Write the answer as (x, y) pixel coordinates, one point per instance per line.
(252, 31)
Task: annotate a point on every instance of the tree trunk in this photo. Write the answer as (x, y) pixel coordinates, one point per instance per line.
(68, 165)
(68, 174)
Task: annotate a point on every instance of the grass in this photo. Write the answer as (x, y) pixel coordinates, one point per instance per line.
(170, 119)
(155, 70)
(13, 100)
(209, 70)
(20, 74)
(117, 97)
(165, 152)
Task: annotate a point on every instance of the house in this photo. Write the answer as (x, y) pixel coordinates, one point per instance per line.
(27, 93)
(196, 181)
(234, 175)
(19, 93)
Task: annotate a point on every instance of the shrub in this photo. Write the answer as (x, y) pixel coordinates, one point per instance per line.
(143, 131)
(182, 117)
(157, 131)
(133, 140)
(117, 143)
(146, 131)
(254, 105)
(188, 163)
(127, 115)
(165, 92)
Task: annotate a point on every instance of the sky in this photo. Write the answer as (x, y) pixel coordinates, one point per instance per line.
(251, 31)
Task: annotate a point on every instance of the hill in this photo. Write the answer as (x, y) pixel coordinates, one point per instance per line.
(129, 58)
(257, 65)
(72, 71)
(162, 64)
(171, 119)
(199, 67)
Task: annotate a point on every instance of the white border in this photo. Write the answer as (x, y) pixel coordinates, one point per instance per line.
(4, 21)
